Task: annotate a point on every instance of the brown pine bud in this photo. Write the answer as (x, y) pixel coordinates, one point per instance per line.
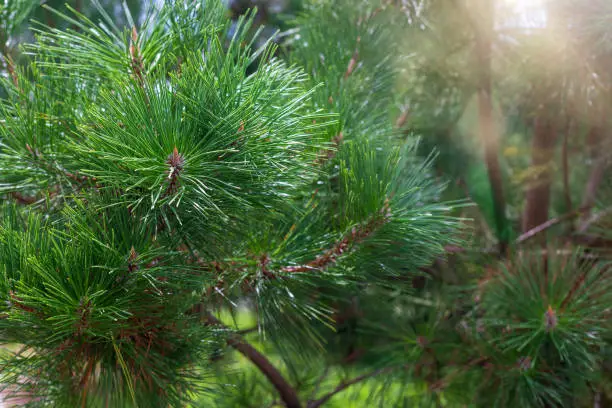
(550, 319)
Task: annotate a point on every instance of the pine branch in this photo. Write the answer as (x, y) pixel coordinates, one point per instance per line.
(442, 383)
(593, 219)
(357, 235)
(548, 224)
(247, 331)
(285, 390)
(39, 159)
(346, 384)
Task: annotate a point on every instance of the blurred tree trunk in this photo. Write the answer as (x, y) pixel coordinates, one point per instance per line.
(595, 140)
(537, 198)
(484, 21)
(597, 152)
(545, 132)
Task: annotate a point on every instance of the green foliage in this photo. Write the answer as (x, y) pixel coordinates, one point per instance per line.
(159, 172)
(549, 326)
(162, 172)
(13, 14)
(80, 300)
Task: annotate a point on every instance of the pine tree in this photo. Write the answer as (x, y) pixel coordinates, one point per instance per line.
(195, 214)
(155, 176)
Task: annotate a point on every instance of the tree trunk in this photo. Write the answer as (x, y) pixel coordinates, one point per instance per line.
(595, 139)
(537, 199)
(486, 123)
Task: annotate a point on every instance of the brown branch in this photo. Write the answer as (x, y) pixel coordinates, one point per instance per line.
(577, 284)
(287, 393)
(593, 219)
(538, 194)
(596, 139)
(548, 224)
(55, 167)
(597, 400)
(17, 303)
(442, 383)
(247, 331)
(356, 236)
(137, 64)
(346, 384)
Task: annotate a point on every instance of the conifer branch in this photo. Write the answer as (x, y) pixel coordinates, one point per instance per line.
(593, 219)
(247, 331)
(357, 235)
(442, 383)
(287, 393)
(548, 224)
(39, 159)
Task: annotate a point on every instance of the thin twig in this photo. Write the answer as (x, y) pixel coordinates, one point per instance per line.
(548, 224)
(593, 219)
(346, 384)
(247, 331)
(356, 236)
(444, 381)
(319, 382)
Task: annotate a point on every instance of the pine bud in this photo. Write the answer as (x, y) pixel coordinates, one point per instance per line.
(132, 266)
(550, 319)
(524, 363)
(176, 162)
(134, 35)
